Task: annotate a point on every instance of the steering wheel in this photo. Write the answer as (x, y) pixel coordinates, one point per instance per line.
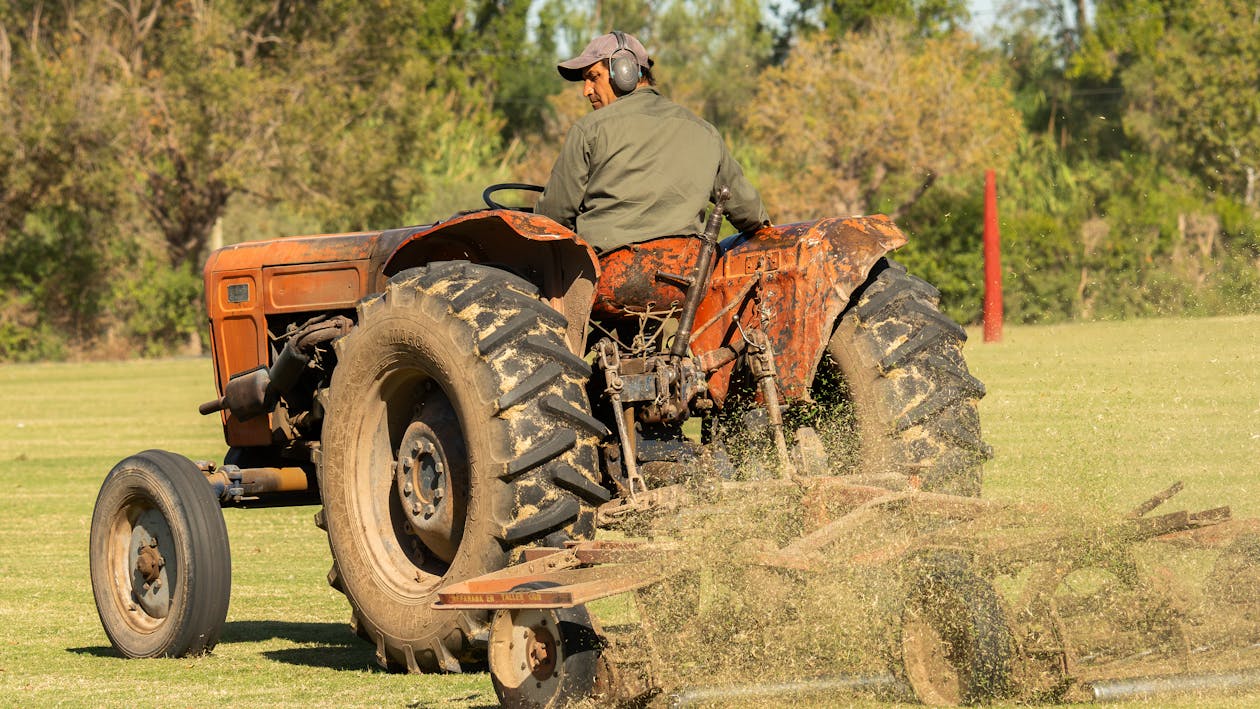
(501, 186)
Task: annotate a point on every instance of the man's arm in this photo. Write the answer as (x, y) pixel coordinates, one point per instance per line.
(744, 210)
(562, 197)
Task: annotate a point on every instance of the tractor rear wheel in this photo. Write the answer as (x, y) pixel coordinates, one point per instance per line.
(457, 430)
(900, 362)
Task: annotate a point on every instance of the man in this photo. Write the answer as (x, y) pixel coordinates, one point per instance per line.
(639, 166)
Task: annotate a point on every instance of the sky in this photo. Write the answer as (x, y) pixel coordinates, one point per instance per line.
(983, 13)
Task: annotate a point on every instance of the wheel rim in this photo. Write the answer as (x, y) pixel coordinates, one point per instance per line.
(526, 654)
(143, 559)
(411, 481)
(931, 660)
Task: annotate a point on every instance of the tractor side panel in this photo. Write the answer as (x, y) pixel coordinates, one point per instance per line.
(314, 287)
(792, 281)
(249, 282)
(238, 339)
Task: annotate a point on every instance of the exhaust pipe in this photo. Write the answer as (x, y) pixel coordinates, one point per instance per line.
(256, 391)
(233, 485)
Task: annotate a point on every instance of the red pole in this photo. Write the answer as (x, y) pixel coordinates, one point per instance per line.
(992, 263)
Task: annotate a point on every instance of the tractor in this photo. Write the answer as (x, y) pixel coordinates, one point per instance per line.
(456, 394)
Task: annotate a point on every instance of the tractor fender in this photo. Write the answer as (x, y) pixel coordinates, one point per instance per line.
(806, 274)
(791, 281)
(534, 247)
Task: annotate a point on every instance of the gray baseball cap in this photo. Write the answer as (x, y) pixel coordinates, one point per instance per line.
(601, 48)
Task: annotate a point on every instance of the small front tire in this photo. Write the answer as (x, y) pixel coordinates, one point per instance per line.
(159, 559)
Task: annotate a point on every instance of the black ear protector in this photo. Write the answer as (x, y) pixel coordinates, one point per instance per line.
(623, 66)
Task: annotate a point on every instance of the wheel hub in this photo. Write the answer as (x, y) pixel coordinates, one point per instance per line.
(424, 483)
(150, 587)
(931, 661)
(149, 562)
(540, 652)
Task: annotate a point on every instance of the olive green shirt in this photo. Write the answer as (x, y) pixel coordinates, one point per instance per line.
(643, 167)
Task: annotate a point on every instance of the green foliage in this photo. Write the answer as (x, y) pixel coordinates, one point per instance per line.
(516, 73)
(927, 18)
(710, 54)
(945, 229)
(22, 337)
(1126, 141)
(868, 123)
(1044, 204)
(1190, 71)
(1080, 114)
(159, 307)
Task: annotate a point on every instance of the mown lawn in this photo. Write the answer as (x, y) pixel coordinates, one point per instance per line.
(1095, 416)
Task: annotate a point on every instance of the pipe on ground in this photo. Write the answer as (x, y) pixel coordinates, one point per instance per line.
(1115, 690)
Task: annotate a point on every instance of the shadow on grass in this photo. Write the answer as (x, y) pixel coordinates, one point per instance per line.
(329, 645)
(95, 651)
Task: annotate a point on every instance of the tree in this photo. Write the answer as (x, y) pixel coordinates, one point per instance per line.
(1190, 72)
(64, 197)
(710, 55)
(926, 18)
(1082, 115)
(390, 119)
(875, 119)
(127, 126)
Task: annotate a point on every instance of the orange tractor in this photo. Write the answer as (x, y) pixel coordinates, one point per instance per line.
(459, 393)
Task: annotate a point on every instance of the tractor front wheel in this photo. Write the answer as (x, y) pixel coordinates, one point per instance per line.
(159, 559)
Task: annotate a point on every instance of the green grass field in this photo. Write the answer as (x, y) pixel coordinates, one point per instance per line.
(1096, 416)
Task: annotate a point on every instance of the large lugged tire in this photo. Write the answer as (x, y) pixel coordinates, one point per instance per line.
(457, 430)
(914, 400)
(159, 559)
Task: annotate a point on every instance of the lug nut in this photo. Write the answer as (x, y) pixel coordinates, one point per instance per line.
(407, 489)
(429, 510)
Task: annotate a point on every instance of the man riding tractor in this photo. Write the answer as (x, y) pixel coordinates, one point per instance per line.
(639, 166)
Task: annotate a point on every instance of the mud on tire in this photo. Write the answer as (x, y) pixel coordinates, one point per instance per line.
(457, 430)
(914, 401)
